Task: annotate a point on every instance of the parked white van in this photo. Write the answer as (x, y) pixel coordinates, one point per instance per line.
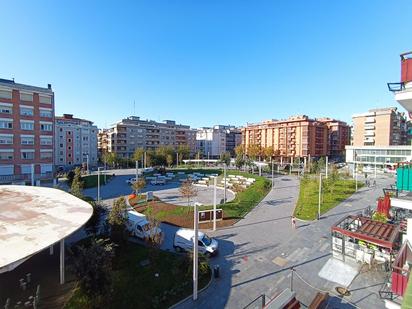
(184, 241)
(138, 226)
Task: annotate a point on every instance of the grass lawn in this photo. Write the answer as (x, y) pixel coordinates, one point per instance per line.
(333, 193)
(135, 286)
(90, 181)
(236, 209)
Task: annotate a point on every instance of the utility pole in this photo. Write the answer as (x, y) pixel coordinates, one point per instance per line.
(273, 176)
(32, 174)
(137, 170)
(195, 252)
(177, 159)
(88, 171)
(214, 203)
(356, 177)
(326, 168)
(145, 160)
(225, 182)
(320, 194)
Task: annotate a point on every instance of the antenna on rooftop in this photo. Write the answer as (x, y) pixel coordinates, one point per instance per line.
(134, 107)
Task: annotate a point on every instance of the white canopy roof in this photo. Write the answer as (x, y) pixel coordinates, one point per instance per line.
(34, 218)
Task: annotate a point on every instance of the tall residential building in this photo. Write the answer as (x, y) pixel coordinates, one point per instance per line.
(212, 142)
(26, 131)
(298, 136)
(125, 136)
(75, 142)
(380, 127)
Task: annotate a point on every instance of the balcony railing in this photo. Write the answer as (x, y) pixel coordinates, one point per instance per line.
(24, 177)
(394, 87)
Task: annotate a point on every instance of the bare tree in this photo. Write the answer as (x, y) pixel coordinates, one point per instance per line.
(188, 191)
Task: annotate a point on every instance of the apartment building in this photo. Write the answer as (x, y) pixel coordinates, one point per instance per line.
(26, 131)
(212, 142)
(339, 135)
(125, 136)
(380, 127)
(298, 136)
(75, 142)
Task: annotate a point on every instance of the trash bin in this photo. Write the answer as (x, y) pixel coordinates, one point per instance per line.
(216, 270)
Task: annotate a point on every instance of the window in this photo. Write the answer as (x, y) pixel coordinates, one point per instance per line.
(45, 99)
(46, 140)
(46, 155)
(27, 155)
(6, 108)
(69, 140)
(61, 145)
(27, 140)
(46, 126)
(46, 113)
(26, 125)
(6, 139)
(6, 123)
(26, 97)
(6, 155)
(26, 111)
(5, 94)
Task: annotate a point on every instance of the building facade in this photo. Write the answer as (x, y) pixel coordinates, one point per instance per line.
(212, 142)
(26, 131)
(380, 127)
(403, 89)
(298, 136)
(125, 136)
(75, 142)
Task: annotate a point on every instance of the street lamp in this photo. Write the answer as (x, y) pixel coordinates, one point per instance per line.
(87, 162)
(320, 194)
(214, 203)
(195, 251)
(273, 177)
(98, 183)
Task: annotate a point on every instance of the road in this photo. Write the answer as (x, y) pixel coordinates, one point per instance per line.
(256, 253)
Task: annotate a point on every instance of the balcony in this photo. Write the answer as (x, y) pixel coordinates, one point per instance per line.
(403, 89)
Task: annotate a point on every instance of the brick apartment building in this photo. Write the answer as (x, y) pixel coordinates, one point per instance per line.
(381, 127)
(75, 142)
(26, 131)
(124, 137)
(299, 136)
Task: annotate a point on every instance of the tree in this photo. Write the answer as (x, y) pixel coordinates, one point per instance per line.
(239, 162)
(94, 225)
(117, 219)
(92, 266)
(188, 191)
(169, 159)
(138, 154)
(153, 238)
(183, 152)
(253, 151)
(139, 185)
(110, 158)
(268, 153)
(77, 184)
(240, 150)
(225, 158)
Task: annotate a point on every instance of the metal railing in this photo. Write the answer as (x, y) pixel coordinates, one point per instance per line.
(394, 87)
(24, 177)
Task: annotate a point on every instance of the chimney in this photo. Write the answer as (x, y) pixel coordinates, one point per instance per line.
(49, 86)
(68, 116)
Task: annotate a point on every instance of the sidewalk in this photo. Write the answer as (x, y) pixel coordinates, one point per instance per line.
(257, 253)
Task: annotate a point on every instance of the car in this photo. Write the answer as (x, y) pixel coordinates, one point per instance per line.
(183, 241)
(130, 181)
(137, 225)
(158, 181)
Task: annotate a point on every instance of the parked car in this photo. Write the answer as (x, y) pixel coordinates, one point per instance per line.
(130, 181)
(158, 181)
(183, 241)
(138, 226)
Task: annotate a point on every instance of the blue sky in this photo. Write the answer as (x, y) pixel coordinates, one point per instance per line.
(207, 62)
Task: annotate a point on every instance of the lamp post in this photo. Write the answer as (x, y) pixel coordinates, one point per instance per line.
(195, 252)
(98, 183)
(273, 176)
(137, 170)
(214, 202)
(326, 167)
(320, 194)
(224, 171)
(87, 162)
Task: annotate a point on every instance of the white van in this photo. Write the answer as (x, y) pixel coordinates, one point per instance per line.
(184, 241)
(138, 226)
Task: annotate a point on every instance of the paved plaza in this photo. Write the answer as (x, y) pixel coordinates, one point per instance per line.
(257, 253)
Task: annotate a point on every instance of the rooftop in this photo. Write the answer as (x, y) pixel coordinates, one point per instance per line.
(33, 218)
(10, 83)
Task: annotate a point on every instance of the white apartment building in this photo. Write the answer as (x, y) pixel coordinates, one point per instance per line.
(212, 142)
(75, 142)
